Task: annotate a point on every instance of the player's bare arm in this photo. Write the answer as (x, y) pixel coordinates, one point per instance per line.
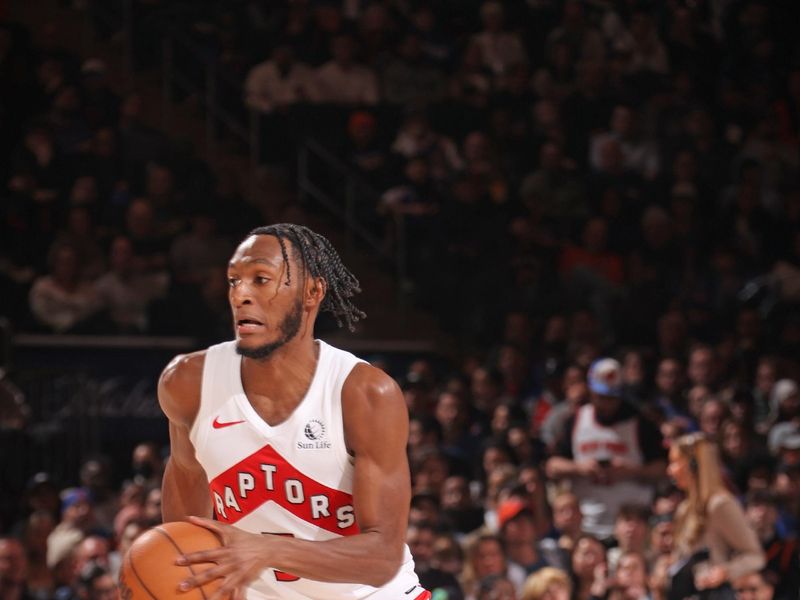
(185, 486)
(376, 430)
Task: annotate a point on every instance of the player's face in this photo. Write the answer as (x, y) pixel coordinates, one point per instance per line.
(266, 303)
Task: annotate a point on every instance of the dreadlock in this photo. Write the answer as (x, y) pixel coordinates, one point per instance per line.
(320, 258)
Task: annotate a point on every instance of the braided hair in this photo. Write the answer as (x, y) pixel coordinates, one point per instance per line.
(320, 258)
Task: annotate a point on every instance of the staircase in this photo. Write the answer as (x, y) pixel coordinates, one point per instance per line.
(392, 323)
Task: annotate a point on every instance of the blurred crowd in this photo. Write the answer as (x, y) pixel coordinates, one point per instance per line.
(603, 208)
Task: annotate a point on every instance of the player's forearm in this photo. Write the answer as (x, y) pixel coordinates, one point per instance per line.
(366, 558)
(184, 493)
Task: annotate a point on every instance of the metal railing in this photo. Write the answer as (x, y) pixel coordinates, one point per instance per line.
(192, 69)
(356, 191)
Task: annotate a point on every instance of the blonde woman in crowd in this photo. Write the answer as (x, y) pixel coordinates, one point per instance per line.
(710, 521)
(548, 583)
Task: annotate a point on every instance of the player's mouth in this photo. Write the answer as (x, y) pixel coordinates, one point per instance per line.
(248, 326)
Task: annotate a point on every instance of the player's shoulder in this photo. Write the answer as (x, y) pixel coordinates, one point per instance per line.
(180, 384)
(371, 384)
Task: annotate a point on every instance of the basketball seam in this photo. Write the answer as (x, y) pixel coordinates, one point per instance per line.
(141, 581)
(178, 548)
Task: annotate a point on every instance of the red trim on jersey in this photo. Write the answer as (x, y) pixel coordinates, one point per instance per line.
(426, 595)
(263, 476)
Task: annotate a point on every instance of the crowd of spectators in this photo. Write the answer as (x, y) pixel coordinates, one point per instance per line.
(603, 205)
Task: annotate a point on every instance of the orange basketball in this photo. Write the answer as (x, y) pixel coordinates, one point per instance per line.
(149, 571)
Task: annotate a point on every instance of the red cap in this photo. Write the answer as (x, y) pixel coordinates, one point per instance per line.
(510, 509)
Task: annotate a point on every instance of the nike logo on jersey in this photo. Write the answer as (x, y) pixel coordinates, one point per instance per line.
(217, 424)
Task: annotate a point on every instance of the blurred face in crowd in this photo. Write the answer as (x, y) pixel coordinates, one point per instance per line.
(762, 516)
(431, 473)
(711, 417)
(678, 469)
(13, 563)
(669, 377)
(697, 397)
(631, 532)
(152, 505)
(129, 534)
(662, 537)
(733, 439)
(502, 589)
(633, 369)
(420, 543)
(92, 549)
(605, 407)
(494, 457)
(588, 553)
(455, 493)
(766, 376)
(752, 587)
(103, 588)
(489, 558)
(701, 366)
(65, 266)
(343, 50)
(631, 571)
(567, 516)
(448, 411)
(520, 530)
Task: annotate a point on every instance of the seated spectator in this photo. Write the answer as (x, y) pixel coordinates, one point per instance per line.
(609, 463)
(95, 582)
(588, 568)
(755, 586)
(500, 49)
(76, 520)
(126, 290)
(630, 532)
(783, 555)
(518, 532)
(496, 587)
(409, 80)
(277, 83)
(547, 583)
(365, 150)
(420, 539)
(638, 154)
(593, 257)
(459, 510)
(62, 301)
(341, 80)
(195, 253)
(13, 570)
(150, 244)
(486, 556)
(630, 580)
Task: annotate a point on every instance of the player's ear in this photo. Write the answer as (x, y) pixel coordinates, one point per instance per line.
(315, 292)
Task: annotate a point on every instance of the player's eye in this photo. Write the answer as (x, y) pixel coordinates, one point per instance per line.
(233, 281)
(260, 279)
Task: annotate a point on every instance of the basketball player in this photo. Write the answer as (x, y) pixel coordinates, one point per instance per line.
(302, 446)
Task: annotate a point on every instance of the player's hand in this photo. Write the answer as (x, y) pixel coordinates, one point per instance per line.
(239, 561)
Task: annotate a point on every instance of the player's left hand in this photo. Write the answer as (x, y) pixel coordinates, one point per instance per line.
(239, 561)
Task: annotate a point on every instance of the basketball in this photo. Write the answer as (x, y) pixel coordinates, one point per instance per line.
(149, 571)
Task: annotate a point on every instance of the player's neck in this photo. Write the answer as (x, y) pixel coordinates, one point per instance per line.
(287, 369)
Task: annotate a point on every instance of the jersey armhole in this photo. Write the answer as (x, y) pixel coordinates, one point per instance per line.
(340, 442)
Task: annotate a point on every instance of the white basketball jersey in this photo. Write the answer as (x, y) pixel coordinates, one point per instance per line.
(295, 478)
(592, 440)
